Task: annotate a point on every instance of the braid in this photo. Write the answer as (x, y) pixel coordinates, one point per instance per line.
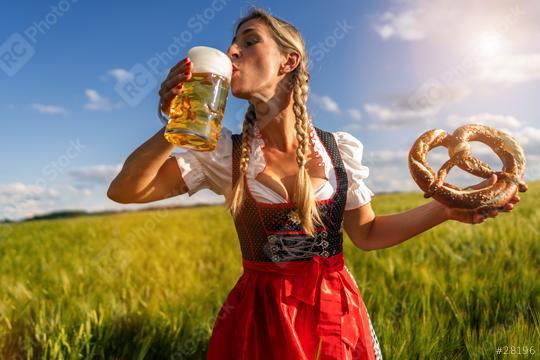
(288, 39)
(236, 197)
(304, 196)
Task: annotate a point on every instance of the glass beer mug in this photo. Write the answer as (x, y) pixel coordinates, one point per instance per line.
(195, 114)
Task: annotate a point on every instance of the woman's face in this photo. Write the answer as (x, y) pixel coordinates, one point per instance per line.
(258, 59)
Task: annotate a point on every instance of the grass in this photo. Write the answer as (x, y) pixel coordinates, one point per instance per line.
(148, 285)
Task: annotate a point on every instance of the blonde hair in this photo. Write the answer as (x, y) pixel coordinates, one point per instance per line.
(288, 38)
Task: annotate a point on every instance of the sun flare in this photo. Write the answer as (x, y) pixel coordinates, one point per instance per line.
(489, 44)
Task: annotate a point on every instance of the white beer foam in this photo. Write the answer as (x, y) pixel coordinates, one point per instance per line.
(207, 59)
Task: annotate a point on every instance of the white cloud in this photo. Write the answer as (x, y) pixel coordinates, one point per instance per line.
(351, 127)
(96, 102)
(413, 20)
(354, 125)
(386, 118)
(405, 25)
(121, 74)
(13, 190)
(385, 156)
(95, 173)
(432, 94)
(49, 109)
(355, 114)
(326, 103)
(510, 68)
(493, 120)
(18, 199)
(527, 135)
(498, 39)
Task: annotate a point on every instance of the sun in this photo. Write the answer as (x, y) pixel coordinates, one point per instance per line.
(489, 44)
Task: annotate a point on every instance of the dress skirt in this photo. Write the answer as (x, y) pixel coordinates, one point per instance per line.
(294, 310)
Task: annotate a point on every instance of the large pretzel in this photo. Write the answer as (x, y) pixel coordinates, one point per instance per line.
(509, 179)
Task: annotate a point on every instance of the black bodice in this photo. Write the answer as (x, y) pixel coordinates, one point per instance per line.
(272, 232)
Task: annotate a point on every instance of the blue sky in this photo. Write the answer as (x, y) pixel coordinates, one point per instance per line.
(385, 71)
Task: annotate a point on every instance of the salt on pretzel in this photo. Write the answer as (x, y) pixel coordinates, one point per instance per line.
(509, 179)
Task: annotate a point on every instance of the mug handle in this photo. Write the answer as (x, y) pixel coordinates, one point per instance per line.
(162, 117)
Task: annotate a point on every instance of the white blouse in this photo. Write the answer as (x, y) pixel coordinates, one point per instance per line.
(213, 169)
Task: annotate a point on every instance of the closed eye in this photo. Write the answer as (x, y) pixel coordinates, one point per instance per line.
(250, 42)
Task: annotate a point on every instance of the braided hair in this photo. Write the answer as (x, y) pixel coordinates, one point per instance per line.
(288, 38)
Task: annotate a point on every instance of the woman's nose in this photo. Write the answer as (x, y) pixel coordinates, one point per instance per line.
(232, 52)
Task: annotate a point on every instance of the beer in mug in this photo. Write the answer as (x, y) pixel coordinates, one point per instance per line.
(197, 110)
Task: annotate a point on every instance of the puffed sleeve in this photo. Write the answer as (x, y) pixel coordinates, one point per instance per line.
(351, 149)
(208, 169)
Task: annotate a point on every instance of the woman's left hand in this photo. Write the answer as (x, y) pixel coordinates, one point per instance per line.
(477, 217)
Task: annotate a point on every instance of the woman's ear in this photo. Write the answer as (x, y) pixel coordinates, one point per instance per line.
(291, 61)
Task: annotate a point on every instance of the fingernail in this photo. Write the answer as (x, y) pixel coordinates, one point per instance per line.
(186, 72)
(179, 87)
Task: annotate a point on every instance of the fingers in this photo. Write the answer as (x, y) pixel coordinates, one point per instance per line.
(173, 81)
(487, 182)
(482, 215)
(167, 98)
(179, 65)
(491, 180)
(491, 213)
(184, 70)
(173, 84)
(176, 77)
(478, 218)
(508, 207)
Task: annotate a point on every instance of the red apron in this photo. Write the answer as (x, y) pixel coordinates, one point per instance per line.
(296, 299)
(298, 310)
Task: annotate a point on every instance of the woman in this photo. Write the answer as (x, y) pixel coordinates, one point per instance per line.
(292, 189)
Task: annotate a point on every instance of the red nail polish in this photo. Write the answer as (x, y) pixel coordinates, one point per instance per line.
(186, 72)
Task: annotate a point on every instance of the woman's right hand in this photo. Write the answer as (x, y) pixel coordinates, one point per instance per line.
(174, 82)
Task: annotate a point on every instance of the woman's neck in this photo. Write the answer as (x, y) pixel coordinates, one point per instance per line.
(276, 122)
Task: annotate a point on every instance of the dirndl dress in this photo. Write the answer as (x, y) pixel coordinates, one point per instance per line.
(296, 299)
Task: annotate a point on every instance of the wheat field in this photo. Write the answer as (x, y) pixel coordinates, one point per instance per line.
(149, 284)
